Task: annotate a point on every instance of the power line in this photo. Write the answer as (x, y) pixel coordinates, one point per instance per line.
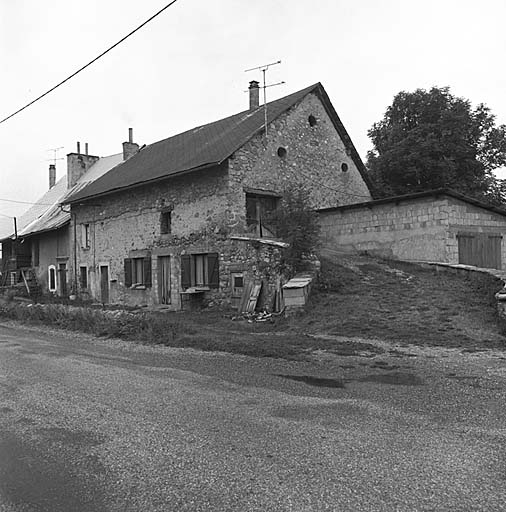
(89, 63)
(25, 202)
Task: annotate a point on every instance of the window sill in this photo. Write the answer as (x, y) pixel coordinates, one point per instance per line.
(138, 287)
(196, 289)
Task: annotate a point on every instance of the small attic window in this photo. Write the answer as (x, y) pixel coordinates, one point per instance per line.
(312, 120)
(281, 152)
(344, 167)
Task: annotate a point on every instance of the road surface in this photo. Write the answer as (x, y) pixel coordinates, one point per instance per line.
(103, 425)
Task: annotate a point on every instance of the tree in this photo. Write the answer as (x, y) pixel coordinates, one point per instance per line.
(297, 223)
(432, 139)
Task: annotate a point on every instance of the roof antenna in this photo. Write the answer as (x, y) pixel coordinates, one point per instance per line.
(55, 155)
(264, 68)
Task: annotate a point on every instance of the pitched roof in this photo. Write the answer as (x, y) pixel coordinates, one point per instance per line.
(46, 214)
(205, 146)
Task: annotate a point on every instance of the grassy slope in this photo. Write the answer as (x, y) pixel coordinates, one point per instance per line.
(357, 297)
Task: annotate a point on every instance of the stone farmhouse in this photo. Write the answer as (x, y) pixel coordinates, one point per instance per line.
(36, 255)
(183, 221)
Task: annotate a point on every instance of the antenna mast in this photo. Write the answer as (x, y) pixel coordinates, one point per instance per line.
(264, 68)
(55, 155)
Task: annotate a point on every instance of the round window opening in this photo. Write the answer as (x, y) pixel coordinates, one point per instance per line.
(344, 167)
(312, 120)
(281, 152)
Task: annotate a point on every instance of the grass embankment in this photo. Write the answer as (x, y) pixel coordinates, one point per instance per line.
(359, 297)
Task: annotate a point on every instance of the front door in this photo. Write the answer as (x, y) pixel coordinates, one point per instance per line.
(62, 277)
(164, 279)
(104, 284)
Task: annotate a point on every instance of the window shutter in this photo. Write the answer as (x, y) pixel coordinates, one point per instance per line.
(127, 263)
(213, 266)
(185, 271)
(147, 271)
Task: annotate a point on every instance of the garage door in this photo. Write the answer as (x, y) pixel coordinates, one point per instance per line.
(480, 249)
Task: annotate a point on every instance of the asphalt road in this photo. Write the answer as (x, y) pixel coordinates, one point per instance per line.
(102, 425)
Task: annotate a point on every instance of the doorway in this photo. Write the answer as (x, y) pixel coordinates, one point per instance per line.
(164, 279)
(104, 284)
(62, 278)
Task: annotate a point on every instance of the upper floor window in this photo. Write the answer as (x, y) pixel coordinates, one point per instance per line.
(85, 236)
(259, 209)
(165, 222)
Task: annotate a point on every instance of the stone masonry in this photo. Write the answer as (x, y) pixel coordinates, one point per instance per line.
(209, 206)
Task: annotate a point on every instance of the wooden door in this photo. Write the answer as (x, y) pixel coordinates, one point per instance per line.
(164, 279)
(104, 284)
(62, 278)
(480, 249)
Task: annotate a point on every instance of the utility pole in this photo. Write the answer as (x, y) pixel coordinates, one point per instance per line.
(263, 69)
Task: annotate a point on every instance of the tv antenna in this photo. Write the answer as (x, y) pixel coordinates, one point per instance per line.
(55, 155)
(263, 69)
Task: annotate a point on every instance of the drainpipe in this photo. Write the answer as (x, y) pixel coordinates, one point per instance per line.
(75, 254)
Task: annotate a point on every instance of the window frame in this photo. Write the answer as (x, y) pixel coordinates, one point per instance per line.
(83, 283)
(209, 263)
(166, 221)
(258, 201)
(85, 236)
(52, 278)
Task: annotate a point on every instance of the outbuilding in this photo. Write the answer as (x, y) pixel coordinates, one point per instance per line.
(437, 226)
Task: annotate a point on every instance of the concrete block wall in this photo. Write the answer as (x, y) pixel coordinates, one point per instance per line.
(314, 156)
(411, 230)
(421, 229)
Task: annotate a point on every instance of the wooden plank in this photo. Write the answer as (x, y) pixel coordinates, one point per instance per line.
(253, 298)
(245, 297)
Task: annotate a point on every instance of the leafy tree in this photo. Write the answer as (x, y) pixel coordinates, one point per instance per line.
(297, 223)
(432, 139)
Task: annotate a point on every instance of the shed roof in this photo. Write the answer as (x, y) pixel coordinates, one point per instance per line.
(205, 146)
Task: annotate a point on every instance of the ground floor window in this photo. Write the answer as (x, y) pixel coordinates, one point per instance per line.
(201, 270)
(137, 271)
(52, 278)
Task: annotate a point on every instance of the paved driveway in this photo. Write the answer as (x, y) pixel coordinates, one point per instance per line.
(96, 425)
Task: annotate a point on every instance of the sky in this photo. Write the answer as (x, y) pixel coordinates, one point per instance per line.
(187, 68)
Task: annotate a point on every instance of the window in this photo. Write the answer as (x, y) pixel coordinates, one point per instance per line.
(344, 167)
(312, 120)
(85, 236)
(201, 270)
(52, 278)
(137, 272)
(83, 277)
(258, 212)
(281, 152)
(165, 222)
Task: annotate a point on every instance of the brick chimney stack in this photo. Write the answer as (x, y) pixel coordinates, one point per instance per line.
(130, 147)
(254, 95)
(78, 164)
(52, 175)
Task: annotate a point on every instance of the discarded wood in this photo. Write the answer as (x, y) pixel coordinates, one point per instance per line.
(253, 298)
(245, 297)
(26, 282)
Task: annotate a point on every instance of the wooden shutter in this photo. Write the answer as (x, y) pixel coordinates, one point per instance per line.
(185, 271)
(213, 266)
(147, 271)
(127, 264)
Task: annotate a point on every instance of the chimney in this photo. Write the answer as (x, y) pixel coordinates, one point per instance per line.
(254, 95)
(78, 164)
(130, 147)
(52, 175)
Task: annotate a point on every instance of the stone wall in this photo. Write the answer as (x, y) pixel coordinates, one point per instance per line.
(420, 229)
(210, 205)
(314, 159)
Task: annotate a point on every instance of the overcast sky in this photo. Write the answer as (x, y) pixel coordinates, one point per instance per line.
(186, 67)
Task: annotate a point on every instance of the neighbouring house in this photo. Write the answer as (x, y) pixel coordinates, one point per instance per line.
(433, 226)
(36, 256)
(185, 220)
